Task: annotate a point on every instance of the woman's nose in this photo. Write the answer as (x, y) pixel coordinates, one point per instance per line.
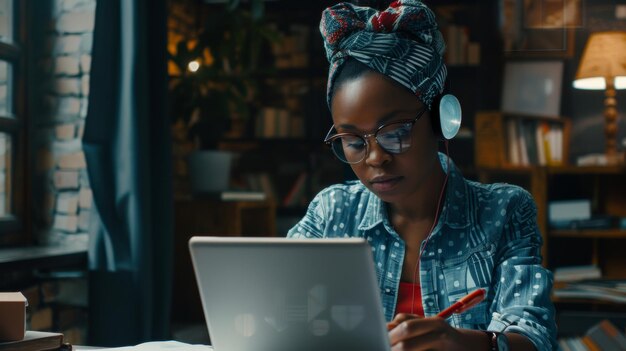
(377, 156)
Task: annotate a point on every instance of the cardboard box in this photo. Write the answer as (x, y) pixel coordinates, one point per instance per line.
(12, 316)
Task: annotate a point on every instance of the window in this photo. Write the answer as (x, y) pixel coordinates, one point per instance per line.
(12, 125)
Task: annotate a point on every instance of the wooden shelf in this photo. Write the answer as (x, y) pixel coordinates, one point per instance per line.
(297, 211)
(619, 169)
(507, 169)
(555, 170)
(277, 140)
(590, 301)
(43, 257)
(464, 68)
(587, 233)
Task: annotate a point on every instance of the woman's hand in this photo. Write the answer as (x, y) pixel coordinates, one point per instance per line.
(412, 332)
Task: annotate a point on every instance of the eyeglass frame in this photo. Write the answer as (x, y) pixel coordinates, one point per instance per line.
(328, 140)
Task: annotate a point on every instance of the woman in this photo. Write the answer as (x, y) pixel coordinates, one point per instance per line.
(435, 236)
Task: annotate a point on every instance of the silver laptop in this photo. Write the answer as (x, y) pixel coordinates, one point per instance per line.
(277, 294)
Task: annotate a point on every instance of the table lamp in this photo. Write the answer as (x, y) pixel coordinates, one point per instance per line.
(603, 67)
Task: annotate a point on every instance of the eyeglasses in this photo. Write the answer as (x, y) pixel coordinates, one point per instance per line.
(394, 138)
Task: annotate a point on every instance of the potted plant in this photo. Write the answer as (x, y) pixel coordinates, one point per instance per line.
(214, 85)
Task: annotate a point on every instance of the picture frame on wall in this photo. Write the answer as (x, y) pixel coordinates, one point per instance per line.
(557, 14)
(533, 88)
(540, 28)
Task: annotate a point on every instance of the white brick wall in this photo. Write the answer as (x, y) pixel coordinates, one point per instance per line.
(65, 131)
(67, 203)
(65, 63)
(75, 22)
(63, 196)
(65, 44)
(69, 106)
(66, 86)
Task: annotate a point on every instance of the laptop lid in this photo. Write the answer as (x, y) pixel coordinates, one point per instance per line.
(278, 294)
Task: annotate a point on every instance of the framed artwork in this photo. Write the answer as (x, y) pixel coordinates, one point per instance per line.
(546, 14)
(532, 88)
(540, 28)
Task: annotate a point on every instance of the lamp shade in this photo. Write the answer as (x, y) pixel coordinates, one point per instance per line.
(604, 58)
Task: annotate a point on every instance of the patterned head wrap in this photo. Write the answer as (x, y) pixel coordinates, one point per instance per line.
(401, 42)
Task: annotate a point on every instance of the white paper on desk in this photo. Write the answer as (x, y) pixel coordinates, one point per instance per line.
(162, 345)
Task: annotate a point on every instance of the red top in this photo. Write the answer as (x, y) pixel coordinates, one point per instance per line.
(405, 300)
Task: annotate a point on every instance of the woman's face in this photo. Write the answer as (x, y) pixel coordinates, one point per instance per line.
(362, 105)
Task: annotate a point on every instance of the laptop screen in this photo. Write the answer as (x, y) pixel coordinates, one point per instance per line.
(289, 294)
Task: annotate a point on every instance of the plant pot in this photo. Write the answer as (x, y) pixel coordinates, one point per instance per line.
(209, 171)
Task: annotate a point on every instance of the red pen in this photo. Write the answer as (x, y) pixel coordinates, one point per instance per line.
(464, 304)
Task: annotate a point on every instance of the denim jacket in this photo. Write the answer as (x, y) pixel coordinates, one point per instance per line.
(486, 237)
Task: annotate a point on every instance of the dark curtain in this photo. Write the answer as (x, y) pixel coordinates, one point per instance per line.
(128, 150)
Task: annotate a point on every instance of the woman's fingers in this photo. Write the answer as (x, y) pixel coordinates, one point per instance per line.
(430, 341)
(417, 328)
(401, 317)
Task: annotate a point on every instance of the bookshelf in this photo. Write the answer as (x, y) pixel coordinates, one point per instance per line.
(513, 140)
(282, 140)
(474, 60)
(603, 186)
(596, 234)
(281, 151)
(292, 172)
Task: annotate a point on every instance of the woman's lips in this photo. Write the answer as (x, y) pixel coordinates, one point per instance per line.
(384, 184)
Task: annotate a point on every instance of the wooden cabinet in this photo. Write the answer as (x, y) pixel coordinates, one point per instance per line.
(605, 187)
(224, 218)
(206, 216)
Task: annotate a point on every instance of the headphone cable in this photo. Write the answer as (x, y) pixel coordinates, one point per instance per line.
(443, 189)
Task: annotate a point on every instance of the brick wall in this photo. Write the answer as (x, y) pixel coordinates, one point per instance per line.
(60, 39)
(63, 198)
(58, 304)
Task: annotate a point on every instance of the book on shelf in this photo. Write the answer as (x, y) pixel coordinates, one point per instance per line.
(459, 49)
(573, 344)
(261, 182)
(593, 159)
(514, 151)
(234, 195)
(606, 337)
(242, 195)
(521, 144)
(603, 336)
(597, 289)
(529, 140)
(561, 213)
(35, 340)
(516, 140)
(576, 273)
(589, 343)
(539, 143)
(572, 292)
(542, 152)
(596, 222)
(279, 123)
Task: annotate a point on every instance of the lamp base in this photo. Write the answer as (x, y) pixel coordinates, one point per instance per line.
(615, 159)
(610, 120)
